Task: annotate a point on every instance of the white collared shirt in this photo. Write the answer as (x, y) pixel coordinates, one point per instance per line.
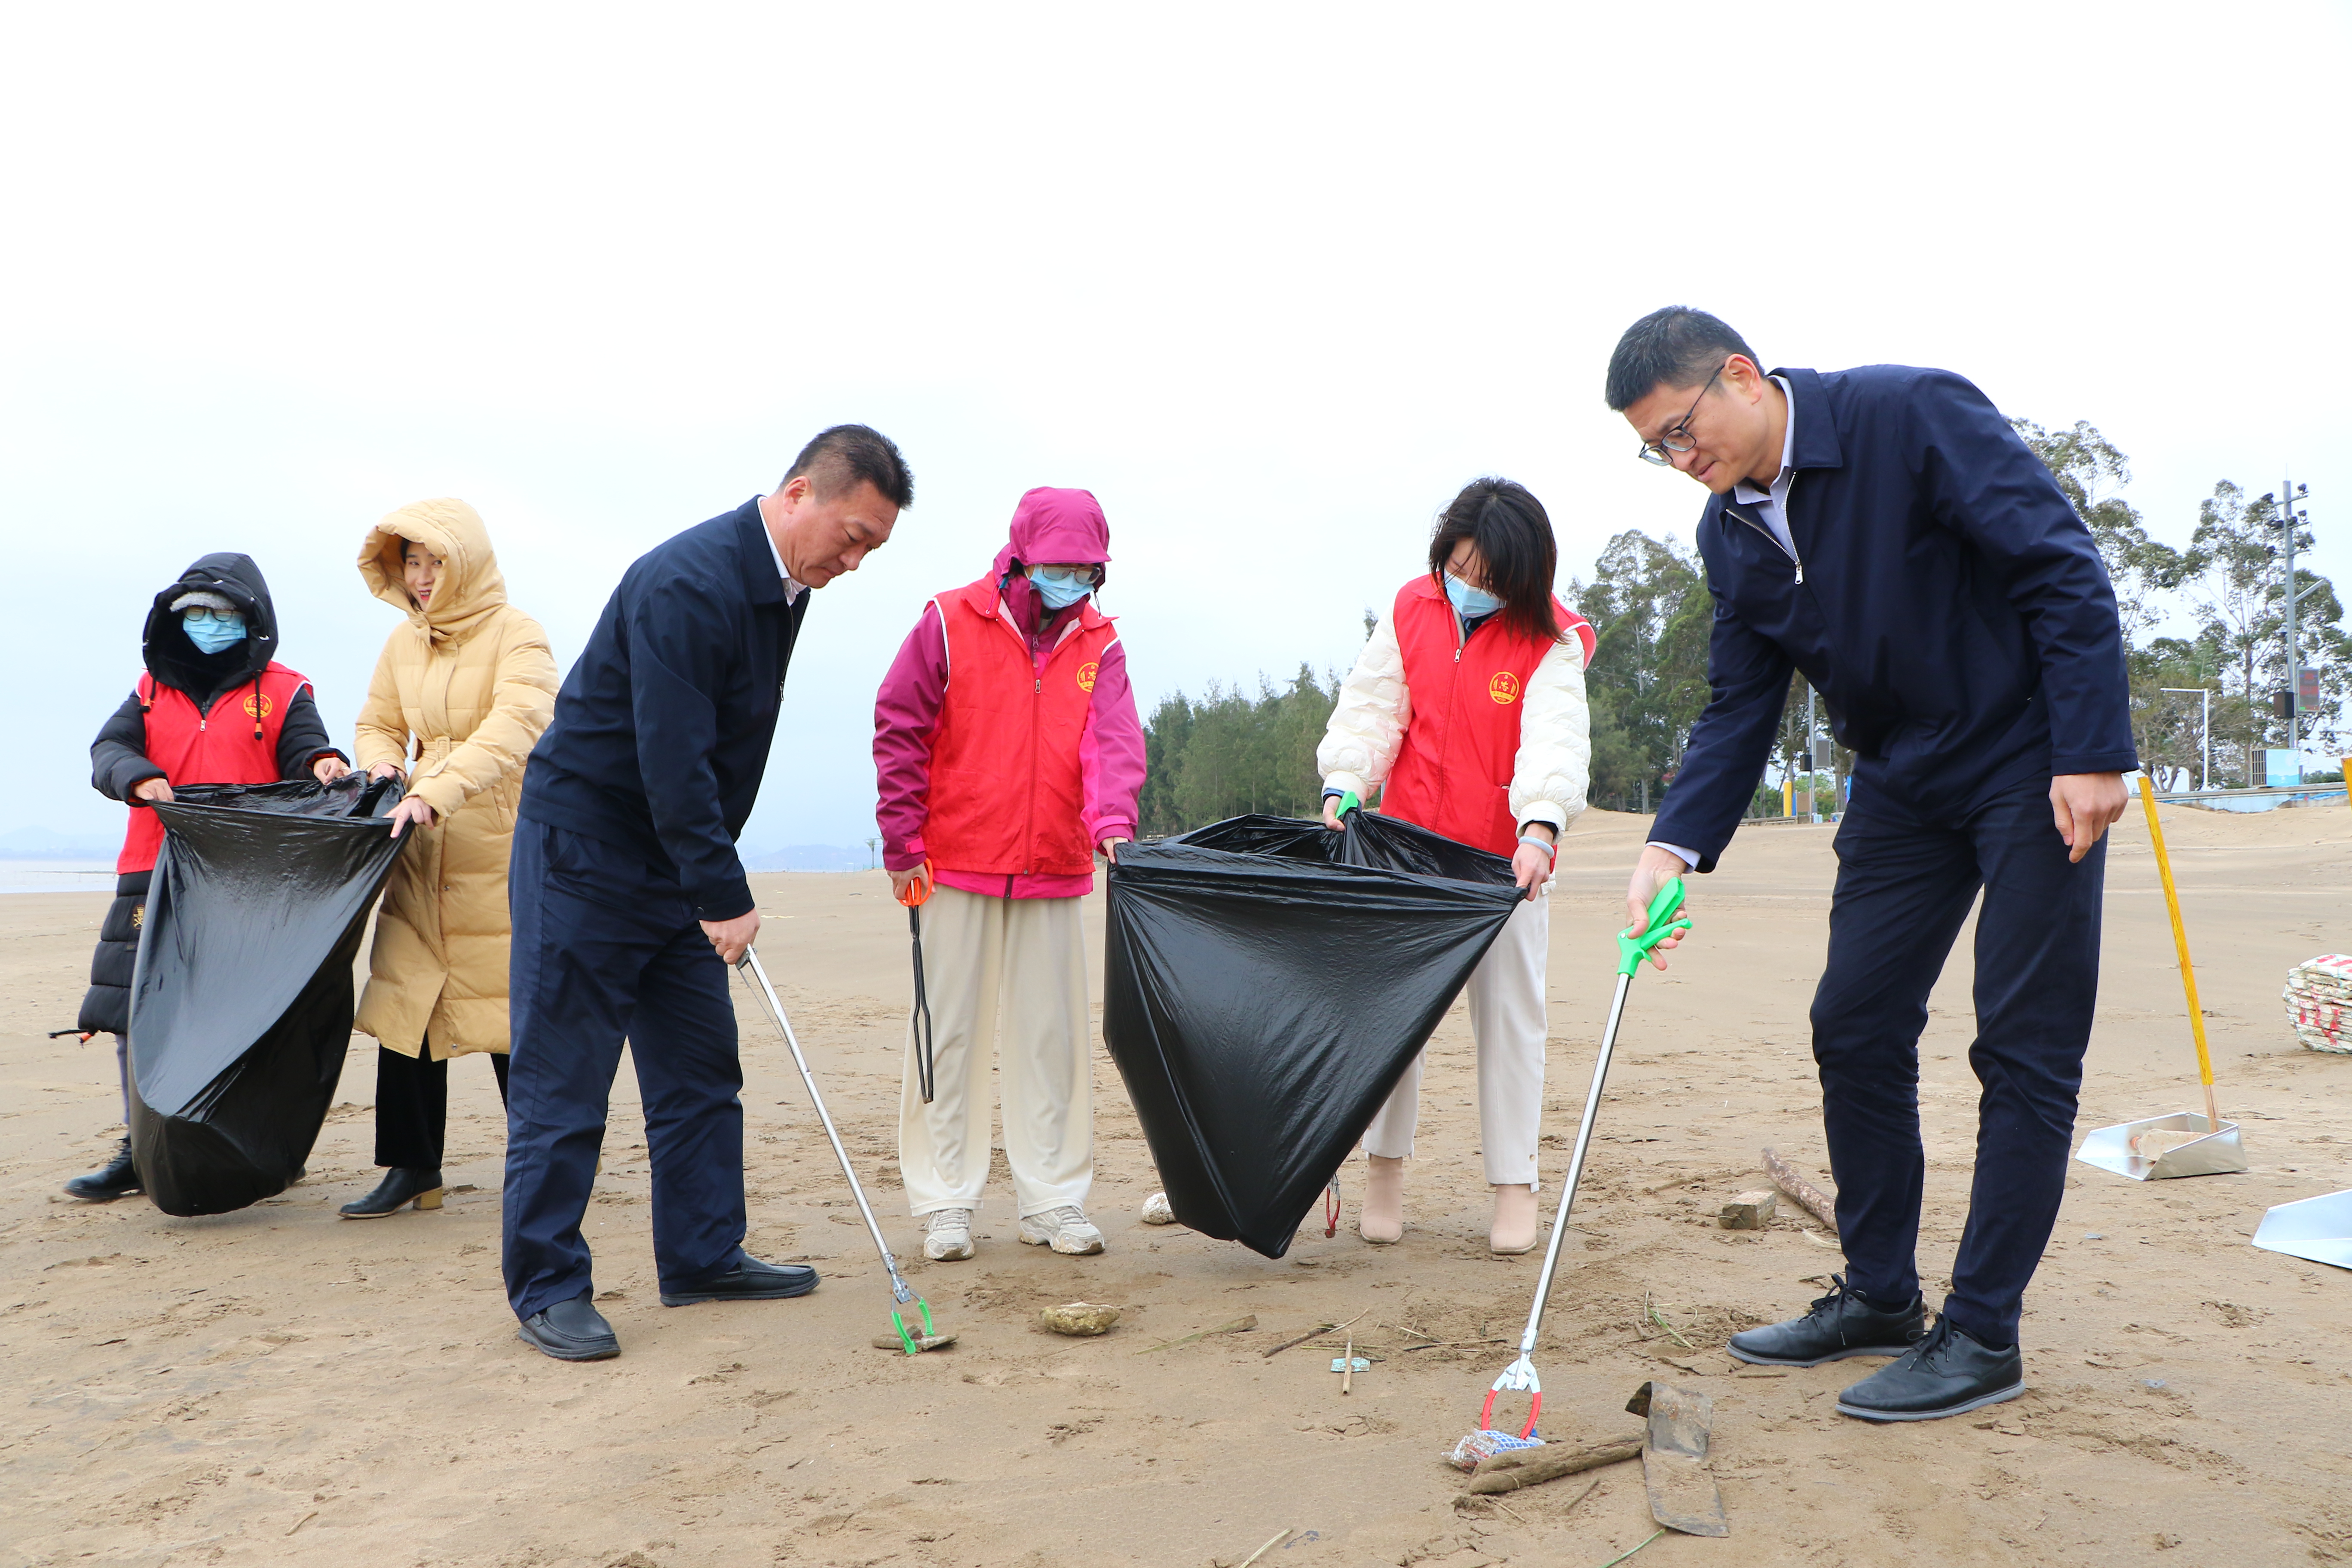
(1771, 504)
(792, 591)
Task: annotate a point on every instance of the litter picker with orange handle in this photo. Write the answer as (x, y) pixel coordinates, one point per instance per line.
(915, 894)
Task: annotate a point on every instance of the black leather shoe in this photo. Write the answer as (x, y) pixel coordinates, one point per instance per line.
(745, 1279)
(400, 1187)
(570, 1330)
(118, 1178)
(1947, 1373)
(1841, 1324)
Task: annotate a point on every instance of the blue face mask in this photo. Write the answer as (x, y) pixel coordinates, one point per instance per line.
(1061, 587)
(215, 630)
(1469, 602)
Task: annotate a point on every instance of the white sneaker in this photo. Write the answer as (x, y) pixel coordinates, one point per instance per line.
(947, 1235)
(1158, 1210)
(1064, 1229)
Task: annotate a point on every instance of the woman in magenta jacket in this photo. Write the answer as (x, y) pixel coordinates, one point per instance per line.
(1008, 751)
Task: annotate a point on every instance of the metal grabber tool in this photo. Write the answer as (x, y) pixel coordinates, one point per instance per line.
(900, 1291)
(1664, 919)
(915, 894)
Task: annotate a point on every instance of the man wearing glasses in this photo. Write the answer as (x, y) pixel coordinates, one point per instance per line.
(1884, 531)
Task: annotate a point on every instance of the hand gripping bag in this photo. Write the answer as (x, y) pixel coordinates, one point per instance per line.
(241, 999)
(1267, 981)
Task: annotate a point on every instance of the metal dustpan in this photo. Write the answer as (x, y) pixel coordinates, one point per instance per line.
(2209, 1154)
(2152, 1149)
(2318, 1228)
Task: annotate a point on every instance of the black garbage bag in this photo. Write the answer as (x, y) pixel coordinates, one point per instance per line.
(241, 999)
(1267, 981)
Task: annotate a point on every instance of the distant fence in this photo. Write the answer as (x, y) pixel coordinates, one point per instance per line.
(2280, 793)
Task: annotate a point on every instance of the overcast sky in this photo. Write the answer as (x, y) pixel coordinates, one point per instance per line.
(1271, 282)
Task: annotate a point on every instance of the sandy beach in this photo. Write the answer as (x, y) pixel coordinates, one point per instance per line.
(278, 1385)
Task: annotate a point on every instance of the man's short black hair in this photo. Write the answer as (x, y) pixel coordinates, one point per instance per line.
(846, 455)
(1673, 347)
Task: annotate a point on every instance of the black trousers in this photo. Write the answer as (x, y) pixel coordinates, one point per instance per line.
(606, 947)
(412, 1106)
(1904, 888)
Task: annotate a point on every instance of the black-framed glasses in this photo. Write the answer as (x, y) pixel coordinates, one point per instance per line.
(1676, 438)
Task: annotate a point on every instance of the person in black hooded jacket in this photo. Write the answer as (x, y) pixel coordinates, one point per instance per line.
(214, 707)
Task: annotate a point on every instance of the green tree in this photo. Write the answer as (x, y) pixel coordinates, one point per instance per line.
(1650, 612)
(2240, 591)
(1227, 752)
(2147, 573)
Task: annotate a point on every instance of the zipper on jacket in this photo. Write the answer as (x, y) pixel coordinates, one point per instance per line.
(1790, 548)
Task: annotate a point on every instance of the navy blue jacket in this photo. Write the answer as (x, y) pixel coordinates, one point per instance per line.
(1950, 608)
(662, 729)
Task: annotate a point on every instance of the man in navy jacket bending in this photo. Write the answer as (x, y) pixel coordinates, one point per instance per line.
(1884, 531)
(628, 900)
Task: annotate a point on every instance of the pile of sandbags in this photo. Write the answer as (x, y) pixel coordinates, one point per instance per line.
(2319, 1003)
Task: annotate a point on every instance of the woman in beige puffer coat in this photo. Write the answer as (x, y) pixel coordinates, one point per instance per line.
(461, 694)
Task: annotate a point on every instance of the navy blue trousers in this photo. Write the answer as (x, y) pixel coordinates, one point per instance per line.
(1904, 888)
(606, 947)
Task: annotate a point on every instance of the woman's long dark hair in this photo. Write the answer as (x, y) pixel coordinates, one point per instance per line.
(1513, 534)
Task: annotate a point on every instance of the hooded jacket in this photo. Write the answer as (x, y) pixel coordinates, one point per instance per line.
(1095, 786)
(119, 760)
(462, 692)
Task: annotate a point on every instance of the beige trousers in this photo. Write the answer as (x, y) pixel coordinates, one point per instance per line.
(1508, 1023)
(1010, 972)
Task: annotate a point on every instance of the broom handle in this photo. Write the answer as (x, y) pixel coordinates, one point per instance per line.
(2180, 945)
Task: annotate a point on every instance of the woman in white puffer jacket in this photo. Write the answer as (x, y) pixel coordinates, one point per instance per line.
(1466, 712)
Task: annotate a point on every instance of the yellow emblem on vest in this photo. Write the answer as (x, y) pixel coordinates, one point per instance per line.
(1087, 673)
(258, 706)
(1504, 688)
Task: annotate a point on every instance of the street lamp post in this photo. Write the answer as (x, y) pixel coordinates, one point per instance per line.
(2204, 727)
(2287, 520)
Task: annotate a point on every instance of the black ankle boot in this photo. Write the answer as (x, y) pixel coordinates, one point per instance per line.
(400, 1187)
(118, 1179)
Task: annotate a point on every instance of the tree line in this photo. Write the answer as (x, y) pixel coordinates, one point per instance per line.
(2209, 613)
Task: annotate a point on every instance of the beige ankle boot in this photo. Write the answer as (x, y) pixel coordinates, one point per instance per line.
(1381, 1220)
(1514, 1230)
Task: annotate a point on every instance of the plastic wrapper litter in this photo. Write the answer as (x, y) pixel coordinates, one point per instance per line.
(1484, 1444)
(1267, 981)
(241, 1001)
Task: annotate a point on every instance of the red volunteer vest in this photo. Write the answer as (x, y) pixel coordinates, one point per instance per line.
(1453, 773)
(237, 743)
(1006, 791)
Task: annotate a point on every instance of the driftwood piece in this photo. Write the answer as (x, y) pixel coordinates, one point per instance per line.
(1683, 1493)
(1784, 1176)
(1748, 1211)
(1516, 1467)
(1238, 1326)
(1316, 1332)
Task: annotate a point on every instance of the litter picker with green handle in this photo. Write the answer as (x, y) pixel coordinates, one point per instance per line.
(901, 1293)
(1664, 919)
